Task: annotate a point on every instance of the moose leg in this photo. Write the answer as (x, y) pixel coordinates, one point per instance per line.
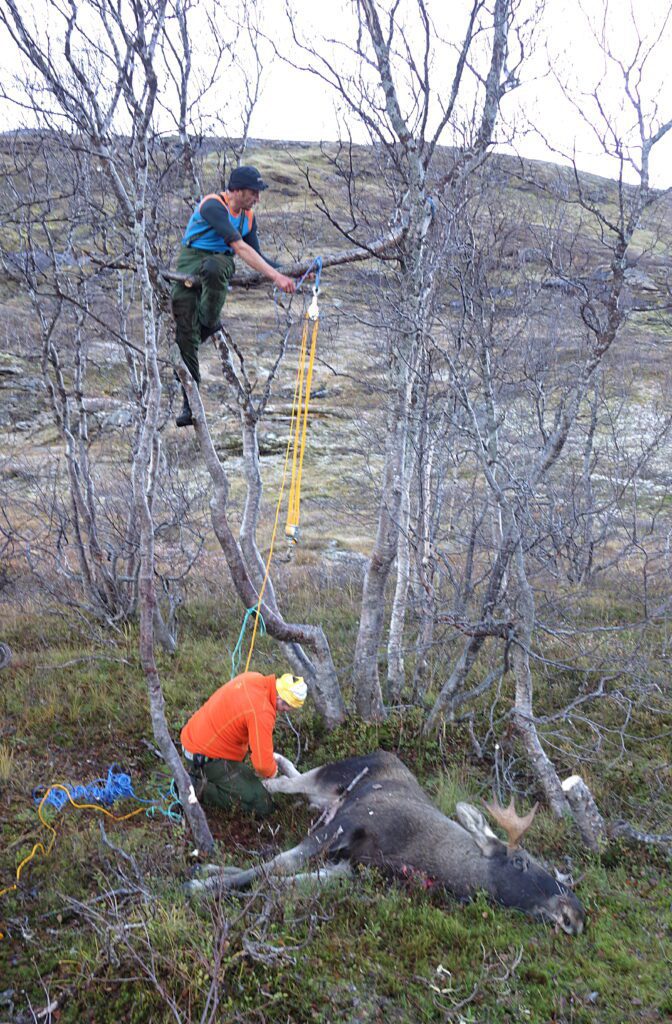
(287, 863)
(326, 873)
(307, 784)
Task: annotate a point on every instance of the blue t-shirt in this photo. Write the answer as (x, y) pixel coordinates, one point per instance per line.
(213, 227)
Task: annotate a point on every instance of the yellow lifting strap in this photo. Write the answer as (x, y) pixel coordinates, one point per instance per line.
(296, 443)
(300, 408)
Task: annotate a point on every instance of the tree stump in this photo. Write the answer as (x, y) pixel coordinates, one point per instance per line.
(588, 819)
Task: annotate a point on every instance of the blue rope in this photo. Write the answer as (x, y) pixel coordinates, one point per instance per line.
(317, 262)
(117, 786)
(174, 809)
(235, 657)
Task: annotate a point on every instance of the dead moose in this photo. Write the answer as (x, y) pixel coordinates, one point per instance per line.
(375, 812)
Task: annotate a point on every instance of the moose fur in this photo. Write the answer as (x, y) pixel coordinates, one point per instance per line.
(375, 812)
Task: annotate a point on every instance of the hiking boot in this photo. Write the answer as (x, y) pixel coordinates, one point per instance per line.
(184, 417)
(206, 330)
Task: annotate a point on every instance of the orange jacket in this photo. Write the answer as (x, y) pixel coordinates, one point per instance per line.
(240, 716)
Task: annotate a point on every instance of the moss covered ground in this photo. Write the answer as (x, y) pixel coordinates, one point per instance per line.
(101, 931)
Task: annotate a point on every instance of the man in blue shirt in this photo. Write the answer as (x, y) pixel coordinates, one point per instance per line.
(222, 225)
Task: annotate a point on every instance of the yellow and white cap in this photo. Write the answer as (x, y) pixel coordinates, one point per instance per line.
(291, 689)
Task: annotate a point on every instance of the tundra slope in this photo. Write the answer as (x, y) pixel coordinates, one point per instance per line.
(375, 812)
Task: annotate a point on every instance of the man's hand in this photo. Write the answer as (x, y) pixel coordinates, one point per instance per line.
(255, 261)
(285, 284)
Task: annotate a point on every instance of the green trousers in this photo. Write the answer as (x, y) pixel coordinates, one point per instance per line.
(194, 308)
(233, 784)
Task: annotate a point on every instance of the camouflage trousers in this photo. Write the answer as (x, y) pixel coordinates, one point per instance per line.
(194, 308)
(227, 784)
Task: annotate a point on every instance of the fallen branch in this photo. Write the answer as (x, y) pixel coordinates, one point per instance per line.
(250, 278)
(154, 750)
(594, 830)
(619, 829)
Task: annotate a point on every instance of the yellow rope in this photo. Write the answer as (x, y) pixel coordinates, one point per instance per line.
(47, 850)
(295, 427)
(297, 441)
(294, 506)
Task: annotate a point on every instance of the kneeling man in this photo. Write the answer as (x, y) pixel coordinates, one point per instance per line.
(238, 717)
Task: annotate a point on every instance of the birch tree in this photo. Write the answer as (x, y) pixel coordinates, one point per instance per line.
(54, 198)
(94, 77)
(110, 96)
(408, 106)
(522, 439)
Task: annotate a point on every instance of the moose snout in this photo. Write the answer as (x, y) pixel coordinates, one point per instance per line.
(565, 912)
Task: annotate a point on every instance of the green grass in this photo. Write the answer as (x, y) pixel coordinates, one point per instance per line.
(367, 951)
(7, 763)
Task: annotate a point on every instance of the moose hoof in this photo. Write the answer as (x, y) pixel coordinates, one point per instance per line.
(211, 877)
(208, 870)
(286, 766)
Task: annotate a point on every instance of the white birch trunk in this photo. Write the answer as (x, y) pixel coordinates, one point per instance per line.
(396, 676)
(523, 715)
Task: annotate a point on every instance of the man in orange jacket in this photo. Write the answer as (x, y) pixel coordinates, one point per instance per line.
(238, 717)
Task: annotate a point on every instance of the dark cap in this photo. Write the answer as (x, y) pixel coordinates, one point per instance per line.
(247, 177)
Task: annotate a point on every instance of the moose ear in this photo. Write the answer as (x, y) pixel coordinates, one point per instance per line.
(473, 821)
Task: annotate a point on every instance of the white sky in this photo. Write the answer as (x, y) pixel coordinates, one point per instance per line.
(293, 108)
(297, 106)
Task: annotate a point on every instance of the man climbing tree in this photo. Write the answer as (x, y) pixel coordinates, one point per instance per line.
(221, 225)
(237, 718)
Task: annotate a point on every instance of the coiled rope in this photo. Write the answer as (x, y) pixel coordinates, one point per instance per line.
(117, 786)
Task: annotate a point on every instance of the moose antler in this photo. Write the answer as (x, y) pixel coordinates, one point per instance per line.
(514, 826)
